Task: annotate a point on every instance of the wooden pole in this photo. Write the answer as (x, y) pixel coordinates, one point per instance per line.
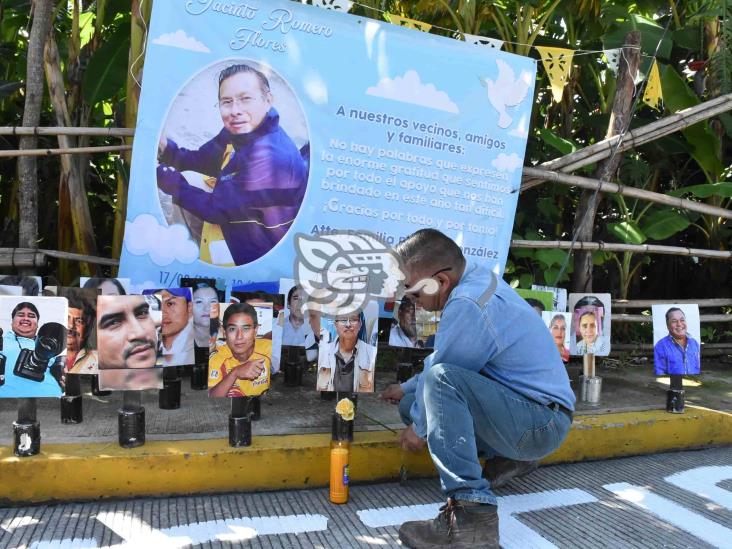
(75, 150)
(64, 130)
(32, 257)
(646, 303)
(639, 319)
(634, 138)
(622, 112)
(645, 248)
(632, 192)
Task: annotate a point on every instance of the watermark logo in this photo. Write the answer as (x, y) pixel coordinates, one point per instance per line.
(341, 272)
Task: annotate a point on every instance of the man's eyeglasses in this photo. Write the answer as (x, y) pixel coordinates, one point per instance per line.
(226, 105)
(416, 294)
(346, 321)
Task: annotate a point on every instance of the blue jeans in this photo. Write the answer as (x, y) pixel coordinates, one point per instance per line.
(468, 413)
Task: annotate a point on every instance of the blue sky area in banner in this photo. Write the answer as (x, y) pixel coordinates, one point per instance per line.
(406, 130)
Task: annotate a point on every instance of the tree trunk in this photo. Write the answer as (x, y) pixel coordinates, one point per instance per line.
(73, 203)
(140, 22)
(584, 221)
(27, 169)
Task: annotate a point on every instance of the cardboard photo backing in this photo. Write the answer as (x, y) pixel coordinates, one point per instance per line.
(33, 354)
(239, 347)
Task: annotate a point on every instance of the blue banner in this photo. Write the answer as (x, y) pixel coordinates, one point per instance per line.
(259, 120)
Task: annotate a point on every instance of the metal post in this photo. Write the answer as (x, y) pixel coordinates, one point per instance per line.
(131, 420)
(169, 395)
(256, 408)
(590, 384)
(95, 390)
(26, 430)
(240, 422)
(675, 396)
(71, 401)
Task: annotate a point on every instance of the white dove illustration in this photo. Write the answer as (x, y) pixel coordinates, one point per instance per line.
(507, 91)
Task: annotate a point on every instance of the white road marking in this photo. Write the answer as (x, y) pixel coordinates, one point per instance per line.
(673, 513)
(703, 482)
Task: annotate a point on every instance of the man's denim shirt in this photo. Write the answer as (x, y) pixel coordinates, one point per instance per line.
(488, 328)
(670, 358)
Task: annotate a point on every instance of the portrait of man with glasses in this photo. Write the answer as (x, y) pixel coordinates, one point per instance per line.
(255, 174)
(346, 364)
(242, 365)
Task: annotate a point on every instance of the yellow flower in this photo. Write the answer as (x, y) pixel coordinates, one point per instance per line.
(345, 409)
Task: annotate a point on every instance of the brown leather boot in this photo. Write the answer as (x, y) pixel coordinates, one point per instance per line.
(500, 470)
(459, 524)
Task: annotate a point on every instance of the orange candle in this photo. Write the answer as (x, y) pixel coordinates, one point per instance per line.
(339, 472)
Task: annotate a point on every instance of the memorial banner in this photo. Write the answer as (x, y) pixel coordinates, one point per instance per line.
(260, 120)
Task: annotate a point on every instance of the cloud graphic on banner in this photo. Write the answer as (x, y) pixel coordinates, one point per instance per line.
(164, 244)
(507, 162)
(179, 39)
(410, 89)
(506, 91)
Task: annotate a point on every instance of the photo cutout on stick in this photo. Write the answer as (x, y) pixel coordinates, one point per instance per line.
(590, 324)
(207, 293)
(269, 328)
(33, 353)
(29, 285)
(299, 325)
(127, 342)
(81, 338)
(176, 327)
(347, 352)
(559, 324)
(412, 326)
(676, 340)
(559, 296)
(240, 365)
(107, 286)
(540, 301)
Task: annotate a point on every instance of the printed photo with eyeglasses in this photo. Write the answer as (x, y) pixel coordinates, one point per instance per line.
(347, 352)
(33, 352)
(233, 161)
(176, 326)
(81, 333)
(127, 329)
(241, 365)
(412, 327)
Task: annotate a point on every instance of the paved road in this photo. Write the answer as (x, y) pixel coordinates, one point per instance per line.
(679, 499)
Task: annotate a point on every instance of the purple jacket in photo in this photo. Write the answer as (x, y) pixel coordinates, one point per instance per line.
(671, 359)
(257, 194)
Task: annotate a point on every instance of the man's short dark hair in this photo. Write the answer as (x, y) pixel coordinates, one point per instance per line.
(95, 283)
(231, 70)
(238, 308)
(535, 303)
(292, 291)
(673, 310)
(28, 283)
(429, 248)
(405, 305)
(24, 305)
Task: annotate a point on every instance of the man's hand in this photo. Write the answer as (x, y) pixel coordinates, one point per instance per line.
(162, 145)
(170, 180)
(409, 440)
(250, 370)
(393, 393)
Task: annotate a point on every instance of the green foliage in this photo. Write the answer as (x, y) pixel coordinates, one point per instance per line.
(107, 71)
(663, 224)
(721, 189)
(628, 232)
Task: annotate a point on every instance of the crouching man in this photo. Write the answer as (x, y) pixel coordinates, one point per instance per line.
(495, 386)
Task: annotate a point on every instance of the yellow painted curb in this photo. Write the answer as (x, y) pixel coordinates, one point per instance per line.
(95, 471)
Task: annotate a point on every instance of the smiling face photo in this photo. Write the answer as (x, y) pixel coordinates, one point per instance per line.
(33, 352)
